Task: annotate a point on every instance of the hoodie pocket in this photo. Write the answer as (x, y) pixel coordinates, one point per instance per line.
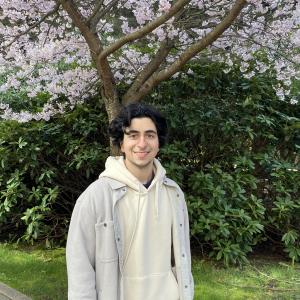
(160, 286)
(106, 247)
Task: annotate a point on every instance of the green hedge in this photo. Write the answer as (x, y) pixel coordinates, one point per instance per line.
(234, 149)
(44, 167)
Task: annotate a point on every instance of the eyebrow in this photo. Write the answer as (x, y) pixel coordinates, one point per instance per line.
(136, 131)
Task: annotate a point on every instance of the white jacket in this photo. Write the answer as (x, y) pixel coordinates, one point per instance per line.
(95, 244)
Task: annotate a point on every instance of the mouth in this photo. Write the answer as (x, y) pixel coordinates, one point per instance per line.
(142, 154)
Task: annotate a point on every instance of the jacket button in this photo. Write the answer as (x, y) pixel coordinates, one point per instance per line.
(186, 286)
(118, 239)
(183, 255)
(180, 225)
(104, 224)
(177, 195)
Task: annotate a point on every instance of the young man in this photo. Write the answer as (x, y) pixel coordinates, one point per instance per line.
(128, 225)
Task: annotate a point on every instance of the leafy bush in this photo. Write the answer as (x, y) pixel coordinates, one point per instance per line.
(234, 149)
(44, 167)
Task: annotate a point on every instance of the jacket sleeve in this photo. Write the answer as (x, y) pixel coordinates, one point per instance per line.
(187, 242)
(80, 250)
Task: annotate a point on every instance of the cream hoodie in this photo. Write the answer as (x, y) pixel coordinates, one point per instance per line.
(146, 223)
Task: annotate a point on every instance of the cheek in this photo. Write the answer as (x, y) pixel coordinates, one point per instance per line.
(156, 145)
(127, 145)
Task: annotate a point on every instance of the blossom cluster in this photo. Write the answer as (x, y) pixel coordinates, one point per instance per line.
(43, 52)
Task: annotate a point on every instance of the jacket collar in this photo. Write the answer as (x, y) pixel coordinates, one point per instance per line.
(170, 182)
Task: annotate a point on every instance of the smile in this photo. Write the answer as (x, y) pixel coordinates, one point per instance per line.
(141, 151)
(141, 154)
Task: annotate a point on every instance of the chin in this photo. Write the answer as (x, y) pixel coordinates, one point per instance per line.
(144, 162)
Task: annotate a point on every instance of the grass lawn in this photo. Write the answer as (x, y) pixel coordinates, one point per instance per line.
(263, 278)
(41, 274)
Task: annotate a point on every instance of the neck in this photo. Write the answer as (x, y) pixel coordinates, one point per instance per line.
(143, 174)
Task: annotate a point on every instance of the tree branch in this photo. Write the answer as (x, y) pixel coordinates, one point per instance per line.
(48, 31)
(79, 21)
(53, 11)
(192, 51)
(149, 69)
(95, 11)
(144, 30)
(203, 43)
(152, 66)
(94, 19)
(109, 92)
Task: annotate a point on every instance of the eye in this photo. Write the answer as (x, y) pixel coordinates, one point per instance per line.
(151, 135)
(133, 136)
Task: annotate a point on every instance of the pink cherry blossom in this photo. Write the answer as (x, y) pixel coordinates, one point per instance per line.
(54, 58)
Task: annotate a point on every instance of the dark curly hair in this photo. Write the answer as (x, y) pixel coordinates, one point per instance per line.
(137, 110)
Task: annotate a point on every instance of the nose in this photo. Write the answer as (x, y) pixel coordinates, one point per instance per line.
(142, 143)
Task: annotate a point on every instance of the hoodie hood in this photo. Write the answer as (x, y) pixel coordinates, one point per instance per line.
(115, 169)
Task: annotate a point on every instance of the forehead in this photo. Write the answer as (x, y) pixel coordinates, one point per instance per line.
(142, 124)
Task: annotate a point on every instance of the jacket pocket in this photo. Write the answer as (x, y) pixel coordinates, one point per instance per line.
(106, 248)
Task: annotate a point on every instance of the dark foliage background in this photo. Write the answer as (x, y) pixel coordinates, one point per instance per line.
(234, 149)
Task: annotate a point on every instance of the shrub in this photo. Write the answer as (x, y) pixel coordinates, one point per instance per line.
(235, 152)
(44, 167)
(234, 149)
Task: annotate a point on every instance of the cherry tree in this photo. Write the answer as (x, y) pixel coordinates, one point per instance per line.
(69, 50)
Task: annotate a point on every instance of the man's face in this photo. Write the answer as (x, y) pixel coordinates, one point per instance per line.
(140, 144)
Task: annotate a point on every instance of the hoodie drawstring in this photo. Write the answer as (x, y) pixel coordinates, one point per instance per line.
(156, 199)
(134, 229)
